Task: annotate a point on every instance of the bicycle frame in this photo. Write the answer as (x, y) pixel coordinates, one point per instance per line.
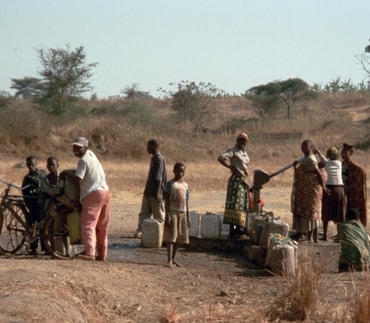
(14, 213)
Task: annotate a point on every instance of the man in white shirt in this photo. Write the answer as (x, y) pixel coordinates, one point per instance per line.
(94, 197)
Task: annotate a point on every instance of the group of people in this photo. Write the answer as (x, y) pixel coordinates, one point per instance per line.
(324, 188)
(328, 189)
(41, 190)
(162, 199)
(166, 200)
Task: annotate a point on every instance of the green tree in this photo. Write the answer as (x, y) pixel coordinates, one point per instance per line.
(270, 96)
(27, 87)
(65, 76)
(265, 98)
(193, 102)
(292, 91)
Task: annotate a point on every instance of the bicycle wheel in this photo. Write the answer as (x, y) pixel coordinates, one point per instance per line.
(12, 230)
(56, 238)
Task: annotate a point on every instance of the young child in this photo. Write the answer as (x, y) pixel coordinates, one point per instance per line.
(334, 203)
(31, 193)
(50, 185)
(177, 221)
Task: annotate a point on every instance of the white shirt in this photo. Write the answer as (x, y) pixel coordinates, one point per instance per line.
(91, 173)
(334, 171)
(333, 168)
(237, 158)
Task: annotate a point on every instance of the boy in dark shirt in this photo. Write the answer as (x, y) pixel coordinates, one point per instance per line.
(32, 187)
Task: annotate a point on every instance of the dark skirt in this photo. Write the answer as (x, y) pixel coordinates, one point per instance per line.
(334, 205)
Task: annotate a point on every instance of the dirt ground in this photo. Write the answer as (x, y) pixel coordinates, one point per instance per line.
(134, 285)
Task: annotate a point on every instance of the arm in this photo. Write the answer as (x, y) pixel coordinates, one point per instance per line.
(167, 206)
(225, 162)
(188, 221)
(323, 159)
(321, 182)
(157, 170)
(158, 188)
(187, 208)
(222, 161)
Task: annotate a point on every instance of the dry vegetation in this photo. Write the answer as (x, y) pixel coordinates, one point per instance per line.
(119, 137)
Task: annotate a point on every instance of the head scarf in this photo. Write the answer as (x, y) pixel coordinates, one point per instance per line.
(347, 147)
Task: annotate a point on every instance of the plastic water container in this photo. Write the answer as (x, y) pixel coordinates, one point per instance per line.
(251, 217)
(225, 228)
(70, 189)
(194, 230)
(211, 226)
(257, 223)
(73, 223)
(152, 233)
(273, 227)
(275, 239)
(283, 259)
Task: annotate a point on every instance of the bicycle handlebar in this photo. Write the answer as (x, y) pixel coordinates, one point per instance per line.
(13, 185)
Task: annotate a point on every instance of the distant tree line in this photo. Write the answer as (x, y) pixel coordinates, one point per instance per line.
(65, 75)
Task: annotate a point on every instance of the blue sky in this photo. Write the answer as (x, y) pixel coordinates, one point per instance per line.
(233, 44)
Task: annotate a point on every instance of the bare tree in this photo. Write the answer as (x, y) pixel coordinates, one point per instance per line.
(194, 102)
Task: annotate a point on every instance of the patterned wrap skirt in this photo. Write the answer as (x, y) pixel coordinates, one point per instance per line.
(237, 198)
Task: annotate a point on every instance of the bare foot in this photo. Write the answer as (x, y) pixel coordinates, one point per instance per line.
(316, 241)
(177, 264)
(170, 264)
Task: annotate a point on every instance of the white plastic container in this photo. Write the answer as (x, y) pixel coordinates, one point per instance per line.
(211, 226)
(225, 228)
(194, 230)
(152, 233)
(283, 260)
(273, 227)
(275, 239)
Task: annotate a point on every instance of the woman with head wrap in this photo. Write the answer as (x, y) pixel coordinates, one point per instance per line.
(307, 193)
(333, 204)
(236, 160)
(354, 178)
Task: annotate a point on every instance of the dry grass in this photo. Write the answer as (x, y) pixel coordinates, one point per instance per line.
(359, 303)
(300, 296)
(123, 130)
(216, 313)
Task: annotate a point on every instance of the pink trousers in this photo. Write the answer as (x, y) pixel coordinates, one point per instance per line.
(95, 218)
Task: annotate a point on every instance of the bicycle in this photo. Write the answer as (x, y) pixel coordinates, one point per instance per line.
(53, 229)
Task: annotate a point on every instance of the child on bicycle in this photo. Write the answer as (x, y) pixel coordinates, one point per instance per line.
(177, 221)
(50, 185)
(31, 189)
